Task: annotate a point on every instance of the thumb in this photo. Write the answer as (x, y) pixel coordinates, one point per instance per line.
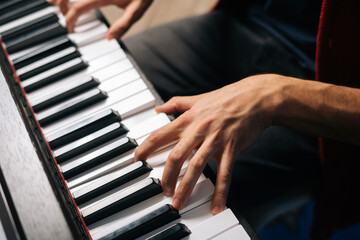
(177, 104)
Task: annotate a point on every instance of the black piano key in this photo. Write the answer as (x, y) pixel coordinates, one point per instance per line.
(44, 51)
(59, 58)
(40, 35)
(81, 85)
(70, 106)
(147, 223)
(23, 9)
(111, 181)
(29, 26)
(90, 141)
(121, 200)
(9, 5)
(97, 157)
(77, 64)
(78, 130)
(175, 232)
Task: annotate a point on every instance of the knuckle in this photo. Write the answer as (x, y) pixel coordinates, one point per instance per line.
(154, 137)
(174, 156)
(196, 163)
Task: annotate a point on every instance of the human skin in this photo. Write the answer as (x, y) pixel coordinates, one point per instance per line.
(231, 118)
(223, 123)
(133, 10)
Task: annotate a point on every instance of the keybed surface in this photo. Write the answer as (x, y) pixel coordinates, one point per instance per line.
(94, 107)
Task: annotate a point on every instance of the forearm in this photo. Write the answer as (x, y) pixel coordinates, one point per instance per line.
(318, 108)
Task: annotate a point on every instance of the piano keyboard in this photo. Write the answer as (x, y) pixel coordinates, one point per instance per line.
(94, 109)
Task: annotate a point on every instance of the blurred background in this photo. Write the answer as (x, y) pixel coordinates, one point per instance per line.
(161, 11)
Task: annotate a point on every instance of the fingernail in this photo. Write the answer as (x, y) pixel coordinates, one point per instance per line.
(176, 203)
(216, 209)
(167, 191)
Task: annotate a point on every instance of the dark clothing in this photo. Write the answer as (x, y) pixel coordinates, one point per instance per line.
(337, 62)
(294, 23)
(203, 53)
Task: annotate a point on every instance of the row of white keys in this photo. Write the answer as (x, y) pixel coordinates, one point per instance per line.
(122, 103)
(83, 34)
(119, 162)
(126, 74)
(90, 16)
(88, 53)
(123, 71)
(114, 95)
(154, 123)
(94, 65)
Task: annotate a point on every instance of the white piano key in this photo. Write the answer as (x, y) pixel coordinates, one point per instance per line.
(51, 72)
(101, 154)
(157, 172)
(84, 18)
(64, 92)
(93, 66)
(110, 166)
(138, 118)
(28, 18)
(99, 208)
(236, 232)
(123, 69)
(114, 97)
(88, 33)
(190, 218)
(106, 60)
(95, 31)
(91, 175)
(120, 176)
(45, 60)
(148, 126)
(201, 194)
(98, 48)
(119, 79)
(154, 160)
(97, 138)
(135, 104)
(213, 226)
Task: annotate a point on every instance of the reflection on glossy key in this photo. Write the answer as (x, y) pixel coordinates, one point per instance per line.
(80, 164)
(145, 224)
(29, 26)
(89, 142)
(70, 106)
(40, 35)
(44, 51)
(54, 74)
(110, 181)
(82, 128)
(24, 9)
(121, 200)
(47, 63)
(175, 232)
(80, 86)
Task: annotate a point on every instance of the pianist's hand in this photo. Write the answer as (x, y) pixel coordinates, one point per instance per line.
(133, 10)
(219, 124)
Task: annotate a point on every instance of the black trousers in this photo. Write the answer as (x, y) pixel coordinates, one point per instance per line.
(203, 53)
